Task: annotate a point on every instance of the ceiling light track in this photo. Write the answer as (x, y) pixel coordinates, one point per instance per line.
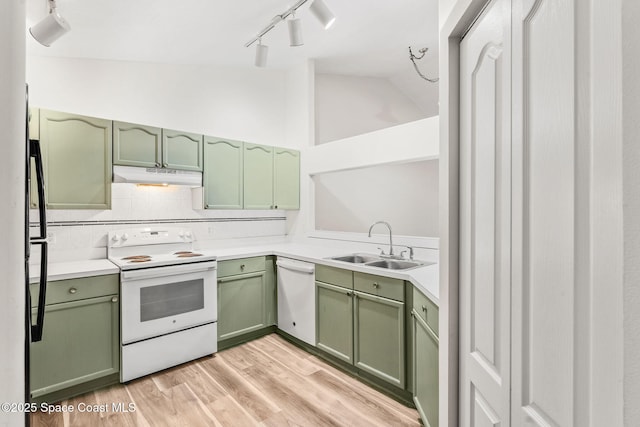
(318, 8)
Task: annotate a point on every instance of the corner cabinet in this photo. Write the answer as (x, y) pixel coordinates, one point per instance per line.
(286, 178)
(76, 153)
(258, 176)
(223, 173)
(80, 348)
(246, 299)
(361, 321)
(137, 145)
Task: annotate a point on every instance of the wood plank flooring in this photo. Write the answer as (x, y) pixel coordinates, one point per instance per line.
(266, 382)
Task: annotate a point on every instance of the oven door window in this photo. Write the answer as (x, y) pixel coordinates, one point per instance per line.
(157, 302)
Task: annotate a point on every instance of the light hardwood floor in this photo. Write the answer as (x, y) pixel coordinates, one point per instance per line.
(266, 382)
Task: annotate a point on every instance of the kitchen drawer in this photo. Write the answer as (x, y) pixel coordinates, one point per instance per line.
(334, 276)
(378, 285)
(426, 309)
(241, 266)
(77, 289)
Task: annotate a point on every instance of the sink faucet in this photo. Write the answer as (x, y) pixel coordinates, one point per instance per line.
(390, 235)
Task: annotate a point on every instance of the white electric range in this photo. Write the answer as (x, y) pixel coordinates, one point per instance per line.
(168, 298)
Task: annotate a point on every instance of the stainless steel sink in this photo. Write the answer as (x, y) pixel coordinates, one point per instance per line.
(370, 260)
(357, 258)
(395, 264)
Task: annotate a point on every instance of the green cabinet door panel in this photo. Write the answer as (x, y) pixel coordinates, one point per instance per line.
(223, 173)
(286, 178)
(182, 150)
(136, 145)
(80, 343)
(241, 304)
(76, 154)
(334, 320)
(258, 176)
(379, 346)
(425, 370)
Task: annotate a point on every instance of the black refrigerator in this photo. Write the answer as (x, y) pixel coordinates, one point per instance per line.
(34, 327)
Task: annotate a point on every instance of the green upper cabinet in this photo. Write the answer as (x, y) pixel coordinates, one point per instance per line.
(137, 145)
(223, 176)
(182, 150)
(286, 178)
(76, 154)
(258, 176)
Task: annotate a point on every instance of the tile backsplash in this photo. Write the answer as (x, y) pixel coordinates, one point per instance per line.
(82, 234)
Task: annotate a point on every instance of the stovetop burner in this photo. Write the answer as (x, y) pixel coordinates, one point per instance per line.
(186, 254)
(132, 257)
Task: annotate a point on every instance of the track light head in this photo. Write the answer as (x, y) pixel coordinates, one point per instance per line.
(51, 28)
(322, 13)
(295, 32)
(261, 54)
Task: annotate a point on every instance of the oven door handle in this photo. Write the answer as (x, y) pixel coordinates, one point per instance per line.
(172, 270)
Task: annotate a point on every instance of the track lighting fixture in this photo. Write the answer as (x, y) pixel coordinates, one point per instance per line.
(318, 8)
(322, 13)
(261, 54)
(51, 28)
(295, 31)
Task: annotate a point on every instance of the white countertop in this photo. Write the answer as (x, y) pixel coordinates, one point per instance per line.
(74, 269)
(426, 278)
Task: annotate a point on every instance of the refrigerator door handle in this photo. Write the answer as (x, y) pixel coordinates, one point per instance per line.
(36, 328)
(41, 239)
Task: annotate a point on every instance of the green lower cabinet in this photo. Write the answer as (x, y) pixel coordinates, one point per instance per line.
(425, 370)
(241, 304)
(334, 321)
(379, 337)
(80, 344)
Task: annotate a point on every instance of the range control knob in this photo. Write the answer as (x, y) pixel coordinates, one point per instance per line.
(181, 234)
(125, 236)
(115, 237)
(188, 234)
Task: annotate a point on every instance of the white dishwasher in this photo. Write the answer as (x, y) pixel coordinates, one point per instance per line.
(297, 299)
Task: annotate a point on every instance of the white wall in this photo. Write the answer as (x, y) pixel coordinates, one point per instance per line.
(12, 179)
(631, 195)
(405, 195)
(240, 103)
(346, 106)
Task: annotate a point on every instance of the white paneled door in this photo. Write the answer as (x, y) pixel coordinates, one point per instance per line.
(540, 233)
(485, 221)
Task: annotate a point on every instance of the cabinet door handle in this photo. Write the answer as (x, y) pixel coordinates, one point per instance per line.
(165, 165)
(424, 308)
(376, 285)
(242, 266)
(349, 294)
(73, 290)
(157, 164)
(114, 299)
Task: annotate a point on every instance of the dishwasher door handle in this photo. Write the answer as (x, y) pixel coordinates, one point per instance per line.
(299, 268)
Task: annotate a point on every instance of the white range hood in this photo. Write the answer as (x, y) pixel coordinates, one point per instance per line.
(162, 176)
